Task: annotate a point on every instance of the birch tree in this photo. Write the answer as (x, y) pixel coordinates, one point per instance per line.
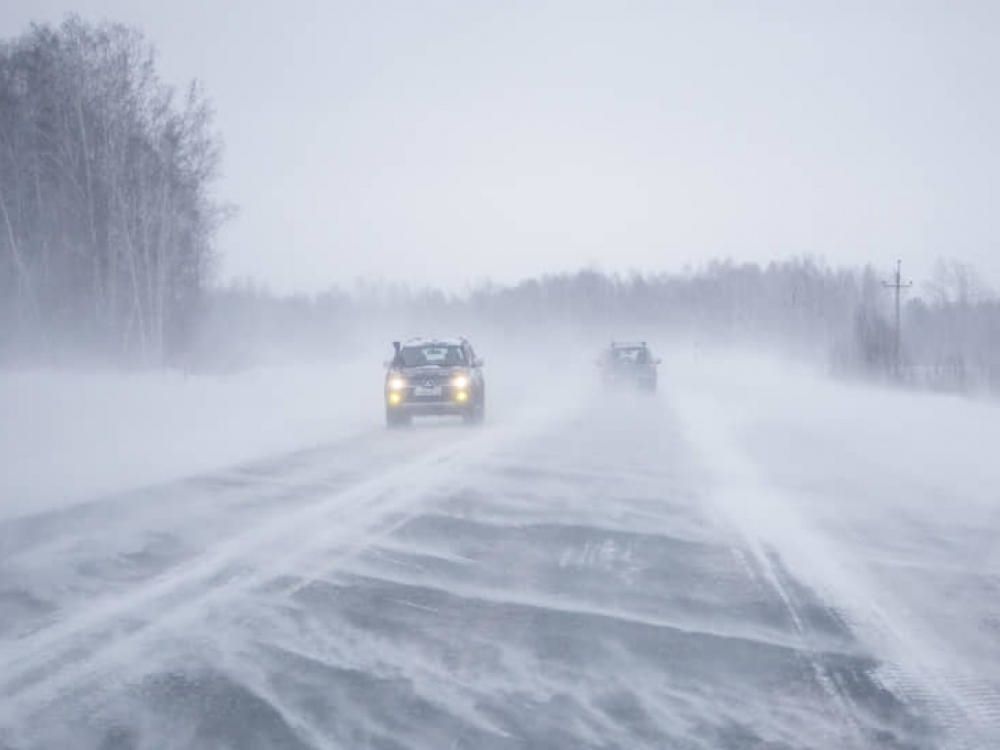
(106, 221)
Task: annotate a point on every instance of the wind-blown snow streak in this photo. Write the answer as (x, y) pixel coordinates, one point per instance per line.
(781, 477)
(103, 634)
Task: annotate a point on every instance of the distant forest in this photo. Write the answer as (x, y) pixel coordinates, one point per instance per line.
(107, 223)
(842, 318)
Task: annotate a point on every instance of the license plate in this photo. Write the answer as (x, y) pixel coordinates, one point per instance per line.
(432, 390)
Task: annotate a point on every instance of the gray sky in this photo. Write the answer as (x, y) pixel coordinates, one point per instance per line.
(447, 142)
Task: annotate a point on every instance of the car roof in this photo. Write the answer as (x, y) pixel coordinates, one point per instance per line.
(628, 344)
(419, 341)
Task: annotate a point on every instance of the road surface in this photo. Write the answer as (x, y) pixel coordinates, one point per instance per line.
(584, 575)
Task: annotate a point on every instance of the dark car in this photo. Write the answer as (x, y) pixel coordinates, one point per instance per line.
(434, 376)
(630, 364)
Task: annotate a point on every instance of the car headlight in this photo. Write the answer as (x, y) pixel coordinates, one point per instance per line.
(397, 383)
(460, 381)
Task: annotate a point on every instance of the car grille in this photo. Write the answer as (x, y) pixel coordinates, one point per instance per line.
(429, 381)
(440, 380)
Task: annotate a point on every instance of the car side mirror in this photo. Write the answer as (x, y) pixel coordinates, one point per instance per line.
(478, 362)
(657, 361)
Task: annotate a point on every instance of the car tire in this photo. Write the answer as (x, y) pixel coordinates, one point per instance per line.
(395, 418)
(476, 413)
(480, 413)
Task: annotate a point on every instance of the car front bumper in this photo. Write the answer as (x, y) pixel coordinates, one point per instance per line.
(450, 401)
(437, 408)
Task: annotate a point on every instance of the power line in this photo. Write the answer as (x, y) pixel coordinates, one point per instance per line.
(897, 285)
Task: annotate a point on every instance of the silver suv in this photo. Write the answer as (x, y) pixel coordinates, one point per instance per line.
(629, 363)
(434, 376)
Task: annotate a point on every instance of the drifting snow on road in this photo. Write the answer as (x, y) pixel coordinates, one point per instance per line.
(710, 567)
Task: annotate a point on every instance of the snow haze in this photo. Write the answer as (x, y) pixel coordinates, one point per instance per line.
(572, 376)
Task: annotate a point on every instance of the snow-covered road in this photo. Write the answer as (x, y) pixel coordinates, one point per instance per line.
(755, 557)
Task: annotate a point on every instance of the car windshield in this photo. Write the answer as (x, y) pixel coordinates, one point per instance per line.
(630, 355)
(444, 355)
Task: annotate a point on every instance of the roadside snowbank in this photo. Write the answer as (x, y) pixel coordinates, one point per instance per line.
(68, 436)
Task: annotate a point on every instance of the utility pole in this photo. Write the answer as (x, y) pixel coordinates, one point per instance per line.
(897, 285)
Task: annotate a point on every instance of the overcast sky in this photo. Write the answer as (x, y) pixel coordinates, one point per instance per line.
(448, 142)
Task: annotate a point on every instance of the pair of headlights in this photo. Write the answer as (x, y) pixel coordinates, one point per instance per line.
(398, 382)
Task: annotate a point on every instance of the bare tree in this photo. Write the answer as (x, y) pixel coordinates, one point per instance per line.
(106, 219)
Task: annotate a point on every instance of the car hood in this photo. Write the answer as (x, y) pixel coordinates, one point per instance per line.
(431, 370)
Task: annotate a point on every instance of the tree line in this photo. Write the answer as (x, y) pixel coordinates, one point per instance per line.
(841, 317)
(105, 215)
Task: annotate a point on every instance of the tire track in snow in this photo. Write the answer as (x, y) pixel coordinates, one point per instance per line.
(740, 495)
(915, 666)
